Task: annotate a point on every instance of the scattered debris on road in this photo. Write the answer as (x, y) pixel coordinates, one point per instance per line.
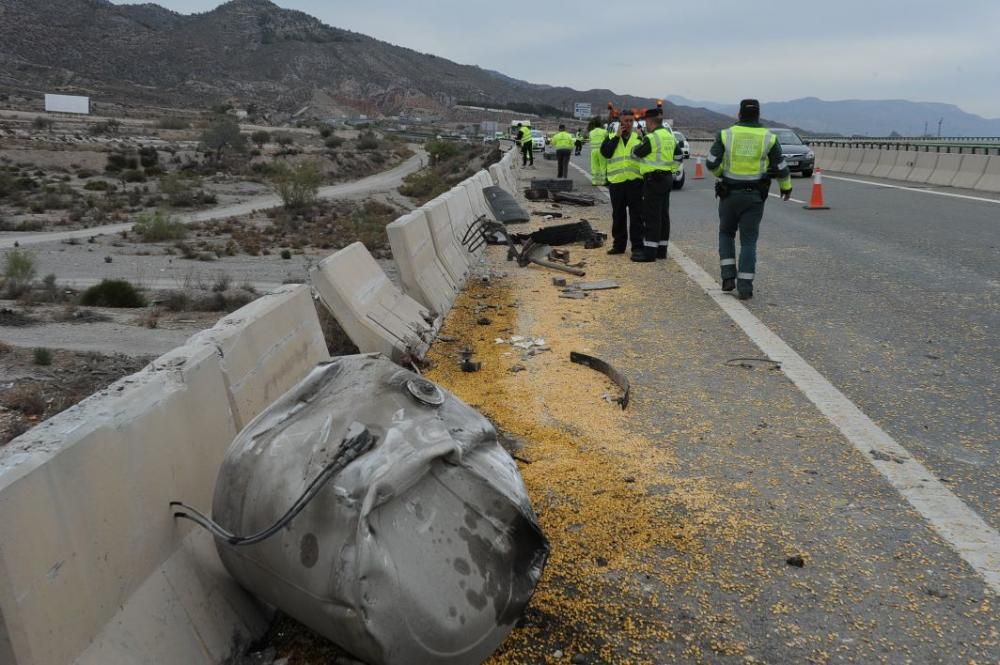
(604, 368)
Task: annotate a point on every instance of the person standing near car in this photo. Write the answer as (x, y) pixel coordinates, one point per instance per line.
(527, 145)
(624, 186)
(563, 142)
(598, 164)
(743, 157)
(659, 158)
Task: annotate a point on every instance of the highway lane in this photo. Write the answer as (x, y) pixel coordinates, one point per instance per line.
(894, 296)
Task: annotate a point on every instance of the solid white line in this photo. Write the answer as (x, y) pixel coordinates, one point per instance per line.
(778, 196)
(966, 532)
(911, 189)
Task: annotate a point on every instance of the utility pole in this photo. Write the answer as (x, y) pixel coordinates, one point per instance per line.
(940, 120)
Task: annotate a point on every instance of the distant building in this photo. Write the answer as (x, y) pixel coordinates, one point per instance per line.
(67, 104)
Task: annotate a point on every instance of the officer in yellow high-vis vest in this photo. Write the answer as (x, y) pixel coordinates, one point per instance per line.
(527, 142)
(598, 164)
(624, 186)
(659, 158)
(743, 157)
(563, 142)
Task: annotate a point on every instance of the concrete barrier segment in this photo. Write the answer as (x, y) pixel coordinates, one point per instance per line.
(452, 255)
(424, 278)
(946, 169)
(267, 347)
(869, 160)
(990, 181)
(853, 160)
(923, 167)
(103, 568)
(837, 158)
(904, 164)
(378, 317)
(886, 160)
(971, 171)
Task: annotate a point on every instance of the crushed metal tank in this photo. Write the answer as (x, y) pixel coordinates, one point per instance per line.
(424, 549)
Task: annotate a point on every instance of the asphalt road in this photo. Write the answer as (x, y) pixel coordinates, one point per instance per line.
(894, 296)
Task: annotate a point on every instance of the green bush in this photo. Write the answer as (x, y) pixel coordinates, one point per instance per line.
(19, 268)
(334, 142)
(133, 175)
(297, 185)
(172, 122)
(286, 254)
(159, 227)
(367, 141)
(112, 293)
(42, 357)
(99, 186)
(260, 137)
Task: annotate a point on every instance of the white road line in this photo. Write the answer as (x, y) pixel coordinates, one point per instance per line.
(966, 532)
(778, 196)
(911, 189)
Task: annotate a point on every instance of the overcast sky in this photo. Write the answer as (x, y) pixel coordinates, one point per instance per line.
(718, 50)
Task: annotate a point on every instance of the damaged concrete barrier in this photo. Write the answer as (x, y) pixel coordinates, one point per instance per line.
(94, 570)
(376, 315)
(266, 347)
(104, 575)
(450, 251)
(418, 547)
(424, 278)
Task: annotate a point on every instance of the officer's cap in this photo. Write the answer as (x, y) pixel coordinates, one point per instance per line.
(653, 113)
(749, 107)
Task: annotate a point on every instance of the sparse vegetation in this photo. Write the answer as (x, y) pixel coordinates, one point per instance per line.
(172, 122)
(260, 138)
(42, 357)
(367, 141)
(41, 124)
(223, 134)
(19, 269)
(159, 227)
(450, 164)
(113, 293)
(298, 184)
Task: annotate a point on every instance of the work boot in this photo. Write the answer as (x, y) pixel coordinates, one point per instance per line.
(729, 284)
(645, 255)
(744, 294)
(661, 252)
(616, 250)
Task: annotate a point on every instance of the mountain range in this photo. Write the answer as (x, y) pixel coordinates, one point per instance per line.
(866, 117)
(254, 51)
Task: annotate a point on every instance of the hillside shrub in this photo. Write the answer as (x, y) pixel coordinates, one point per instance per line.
(113, 293)
(159, 227)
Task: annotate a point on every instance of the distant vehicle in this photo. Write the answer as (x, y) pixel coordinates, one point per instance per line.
(682, 140)
(538, 139)
(798, 156)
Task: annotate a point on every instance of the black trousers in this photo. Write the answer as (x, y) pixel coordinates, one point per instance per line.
(626, 216)
(527, 154)
(656, 189)
(562, 159)
(579, 147)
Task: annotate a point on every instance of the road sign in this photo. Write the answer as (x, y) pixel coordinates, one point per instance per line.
(581, 110)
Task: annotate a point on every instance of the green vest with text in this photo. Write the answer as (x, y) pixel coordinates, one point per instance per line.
(525, 135)
(746, 152)
(663, 143)
(623, 166)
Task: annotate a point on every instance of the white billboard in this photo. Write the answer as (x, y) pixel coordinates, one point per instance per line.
(67, 104)
(581, 111)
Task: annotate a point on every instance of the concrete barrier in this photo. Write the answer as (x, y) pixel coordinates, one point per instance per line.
(376, 315)
(904, 164)
(460, 211)
(837, 159)
(853, 160)
(946, 169)
(821, 152)
(266, 348)
(990, 182)
(886, 160)
(923, 167)
(869, 160)
(424, 278)
(452, 255)
(970, 171)
(94, 569)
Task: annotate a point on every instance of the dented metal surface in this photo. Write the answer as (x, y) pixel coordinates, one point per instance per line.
(423, 550)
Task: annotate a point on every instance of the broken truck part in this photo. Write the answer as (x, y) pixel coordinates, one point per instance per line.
(609, 371)
(384, 515)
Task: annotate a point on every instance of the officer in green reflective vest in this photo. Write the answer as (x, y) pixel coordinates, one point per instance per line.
(743, 157)
(598, 165)
(659, 158)
(527, 143)
(578, 141)
(563, 142)
(624, 186)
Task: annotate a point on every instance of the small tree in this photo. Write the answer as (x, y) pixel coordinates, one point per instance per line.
(367, 141)
(42, 123)
(260, 137)
(298, 184)
(284, 140)
(222, 134)
(19, 268)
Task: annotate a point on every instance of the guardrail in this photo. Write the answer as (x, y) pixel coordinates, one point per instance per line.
(982, 145)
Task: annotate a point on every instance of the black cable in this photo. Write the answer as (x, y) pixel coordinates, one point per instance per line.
(350, 450)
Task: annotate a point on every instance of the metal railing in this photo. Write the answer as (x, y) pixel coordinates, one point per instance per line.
(984, 145)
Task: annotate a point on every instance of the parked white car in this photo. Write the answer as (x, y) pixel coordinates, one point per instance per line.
(538, 139)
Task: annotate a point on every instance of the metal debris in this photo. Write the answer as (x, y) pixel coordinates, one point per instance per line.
(468, 364)
(575, 199)
(604, 368)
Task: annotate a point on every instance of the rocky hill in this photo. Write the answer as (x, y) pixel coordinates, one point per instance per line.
(252, 51)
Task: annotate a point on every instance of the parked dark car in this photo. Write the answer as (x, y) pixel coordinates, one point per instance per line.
(799, 157)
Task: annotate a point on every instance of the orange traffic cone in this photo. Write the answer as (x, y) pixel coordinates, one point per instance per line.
(816, 201)
(699, 170)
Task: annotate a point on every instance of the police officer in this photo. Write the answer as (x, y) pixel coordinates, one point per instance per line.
(659, 158)
(624, 186)
(743, 157)
(578, 141)
(598, 164)
(527, 145)
(563, 142)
